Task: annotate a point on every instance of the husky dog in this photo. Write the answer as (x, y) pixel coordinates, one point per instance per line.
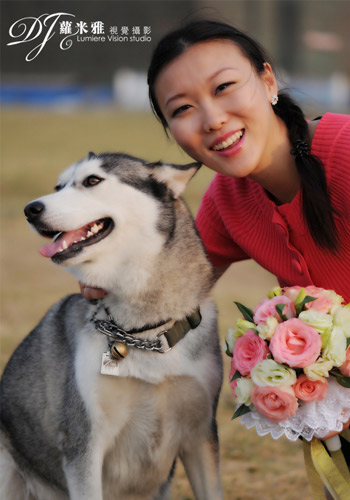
(101, 398)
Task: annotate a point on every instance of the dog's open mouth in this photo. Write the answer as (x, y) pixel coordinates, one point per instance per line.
(67, 244)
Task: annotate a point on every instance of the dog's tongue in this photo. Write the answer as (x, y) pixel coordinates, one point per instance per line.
(50, 249)
(64, 241)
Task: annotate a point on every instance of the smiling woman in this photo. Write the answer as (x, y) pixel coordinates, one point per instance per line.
(213, 88)
(282, 189)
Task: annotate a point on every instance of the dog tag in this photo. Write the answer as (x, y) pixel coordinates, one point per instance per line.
(109, 365)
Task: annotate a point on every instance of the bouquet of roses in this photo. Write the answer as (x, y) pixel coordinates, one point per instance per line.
(290, 369)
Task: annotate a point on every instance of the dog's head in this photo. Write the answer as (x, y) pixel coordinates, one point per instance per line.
(108, 211)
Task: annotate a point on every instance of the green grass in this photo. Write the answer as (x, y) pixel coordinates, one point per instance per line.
(36, 146)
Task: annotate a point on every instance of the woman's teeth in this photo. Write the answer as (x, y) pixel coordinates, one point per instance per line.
(229, 141)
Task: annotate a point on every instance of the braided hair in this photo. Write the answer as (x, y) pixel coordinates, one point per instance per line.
(316, 203)
(317, 208)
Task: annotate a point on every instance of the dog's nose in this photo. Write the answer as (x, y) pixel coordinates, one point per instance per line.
(33, 210)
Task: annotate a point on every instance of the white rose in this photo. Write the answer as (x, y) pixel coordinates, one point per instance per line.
(269, 372)
(242, 325)
(318, 370)
(335, 298)
(231, 337)
(267, 330)
(341, 318)
(243, 389)
(335, 349)
(322, 322)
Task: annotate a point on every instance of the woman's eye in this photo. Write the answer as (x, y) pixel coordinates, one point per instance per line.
(222, 87)
(180, 110)
(92, 180)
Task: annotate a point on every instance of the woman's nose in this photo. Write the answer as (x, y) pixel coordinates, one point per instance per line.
(213, 117)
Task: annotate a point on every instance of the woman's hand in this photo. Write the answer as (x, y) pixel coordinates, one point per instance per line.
(334, 433)
(92, 293)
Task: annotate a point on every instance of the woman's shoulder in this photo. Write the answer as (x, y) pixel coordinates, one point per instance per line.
(332, 137)
(330, 123)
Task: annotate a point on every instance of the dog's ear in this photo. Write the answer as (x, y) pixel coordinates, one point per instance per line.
(90, 155)
(176, 177)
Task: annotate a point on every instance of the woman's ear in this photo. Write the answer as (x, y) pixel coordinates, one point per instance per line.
(270, 80)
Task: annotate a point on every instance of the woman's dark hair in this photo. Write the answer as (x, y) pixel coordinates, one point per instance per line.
(316, 204)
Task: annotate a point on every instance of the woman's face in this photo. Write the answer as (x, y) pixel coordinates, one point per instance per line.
(218, 108)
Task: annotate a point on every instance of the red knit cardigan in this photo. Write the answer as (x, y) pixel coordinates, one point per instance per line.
(237, 220)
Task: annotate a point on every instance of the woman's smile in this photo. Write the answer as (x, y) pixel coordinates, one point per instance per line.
(229, 144)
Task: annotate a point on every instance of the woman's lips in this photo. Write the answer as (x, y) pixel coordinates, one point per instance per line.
(229, 144)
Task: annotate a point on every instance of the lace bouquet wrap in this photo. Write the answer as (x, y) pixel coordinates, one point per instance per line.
(290, 368)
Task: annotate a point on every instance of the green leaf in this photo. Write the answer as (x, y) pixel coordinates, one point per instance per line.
(228, 352)
(235, 375)
(241, 410)
(347, 342)
(247, 313)
(279, 309)
(344, 381)
(300, 307)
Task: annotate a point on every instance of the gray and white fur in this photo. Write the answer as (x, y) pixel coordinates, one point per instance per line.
(68, 431)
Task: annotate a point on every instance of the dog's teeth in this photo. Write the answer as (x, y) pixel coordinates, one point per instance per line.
(82, 238)
(75, 241)
(95, 229)
(89, 234)
(64, 245)
(57, 236)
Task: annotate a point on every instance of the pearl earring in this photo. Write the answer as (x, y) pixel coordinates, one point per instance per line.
(274, 100)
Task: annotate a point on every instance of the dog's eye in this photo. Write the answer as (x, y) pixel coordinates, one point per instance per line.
(92, 180)
(58, 187)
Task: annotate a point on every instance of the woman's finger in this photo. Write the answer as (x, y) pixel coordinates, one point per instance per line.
(92, 293)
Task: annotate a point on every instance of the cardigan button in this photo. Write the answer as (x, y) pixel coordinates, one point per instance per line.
(282, 230)
(297, 266)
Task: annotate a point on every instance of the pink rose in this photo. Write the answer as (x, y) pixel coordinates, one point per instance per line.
(275, 403)
(267, 307)
(291, 292)
(233, 384)
(249, 350)
(345, 367)
(310, 390)
(323, 302)
(295, 343)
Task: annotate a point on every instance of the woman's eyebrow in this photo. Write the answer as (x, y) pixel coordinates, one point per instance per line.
(210, 77)
(177, 96)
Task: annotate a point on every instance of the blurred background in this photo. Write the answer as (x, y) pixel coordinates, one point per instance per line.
(64, 93)
(307, 39)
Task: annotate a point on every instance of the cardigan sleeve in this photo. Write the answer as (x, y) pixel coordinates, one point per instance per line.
(220, 247)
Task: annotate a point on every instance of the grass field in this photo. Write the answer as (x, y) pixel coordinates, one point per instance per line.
(35, 147)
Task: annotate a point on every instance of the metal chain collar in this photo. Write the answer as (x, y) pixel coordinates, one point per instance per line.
(113, 331)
